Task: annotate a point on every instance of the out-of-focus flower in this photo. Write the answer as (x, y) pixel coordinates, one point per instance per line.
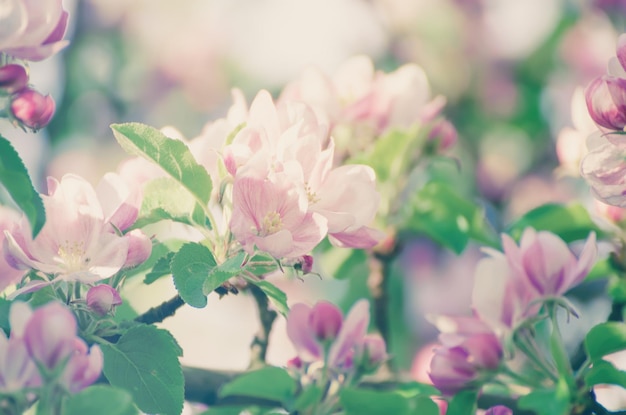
(75, 244)
(32, 30)
(604, 168)
(499, 410)
(31, 109)
(469, 351)
(8, 221)
(102, 298)
(371, 352)
(17, 369)
(50, 338)
(13, 78)
(139, 248)
(320, 334)
(614, 214)
(606, 101)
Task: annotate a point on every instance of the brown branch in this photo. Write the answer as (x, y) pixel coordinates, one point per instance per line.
(161, 312)
(266, 318)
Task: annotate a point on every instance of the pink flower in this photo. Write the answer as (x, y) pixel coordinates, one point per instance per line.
(75, 244)
(13, 78)
(50, 334)
(372, 351)
(102, 299)
(469, 351)
(32, 109)
(120, 200)
(33, 30)
(545, 263)
(139, 248)
(606, 102)
(8, 222)
(320, 333)
(83, 367)
(499, 410)
(17, 369)
(604, 168)
(271, 215)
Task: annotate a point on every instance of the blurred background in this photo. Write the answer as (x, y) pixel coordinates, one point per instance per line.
(513, 72)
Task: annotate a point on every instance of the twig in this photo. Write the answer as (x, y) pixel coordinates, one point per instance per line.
(161, 312)
(266, 318)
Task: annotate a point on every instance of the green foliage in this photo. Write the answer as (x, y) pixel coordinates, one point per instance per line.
(275, 294)
(171, 155)
(272, 383)
(100, 400)
(190, 267)
(309, 397)
(604, 339)
(5, 306)
(554, 401)
(603, 372)
(223, 272)
(463, 403)
(374, 402)
(447, 217)
(145, 362)
(164, 198)
(160, 269)
(570, 222)
(15, 178)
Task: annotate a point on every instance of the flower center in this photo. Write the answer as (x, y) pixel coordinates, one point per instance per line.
(310, 194)
(72, 254)
(271, 224)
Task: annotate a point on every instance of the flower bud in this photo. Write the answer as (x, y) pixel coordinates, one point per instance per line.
(84, 366)
(375, 349)
(499, 410)
(325, 321)
(13, 78)
(139, 248)
(606, 102)
(304, 264)
(32, 109)
(103, 298)
(50, 334)
(444, 134)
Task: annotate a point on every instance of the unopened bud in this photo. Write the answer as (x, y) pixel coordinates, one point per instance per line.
(139, 248)
(13, 78)
(32, 109)
(304, 264)
(325, 320)
(444, 134)
(374, 349)
(103, 298)
(606, 102)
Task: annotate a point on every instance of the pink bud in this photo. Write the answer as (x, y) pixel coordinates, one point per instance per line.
(499, 410)
(295, 363)
(13, 78)
(606, 102)
(375, 349)
(305, 264)
(443, 133)
(325, 320)
(50, 334)
(139, 248)
(103, 298)
(32, 109)
(82, 368)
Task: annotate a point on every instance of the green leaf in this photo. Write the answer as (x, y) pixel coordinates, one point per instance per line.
(272, 383)
(412, 389)
(165, 198)
(275, 294)
(144, 362)
(172, 155)
(223, 272)
(602, 269)
(548, 401)
(570, 222)
(233, 410)
(447, 217)
(191, 267)
(309, 397)
(463, 403)
(15, 178)
(5, 306)
(605, 338)
(423, 405)
(100, 400)
(603, 372)
(160, 269)
(371, 402)
(391, 155)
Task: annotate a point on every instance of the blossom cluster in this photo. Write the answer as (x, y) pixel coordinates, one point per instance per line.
(30, 32)
(511, 290)
(43, 350)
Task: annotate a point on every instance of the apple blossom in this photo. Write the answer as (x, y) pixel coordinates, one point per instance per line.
(8, 222)
(606, 102)
(76, 243)
(469, 350)
(604, 168)
(17, 369)
(320, 333)
(13, 78)
(32, 30)
(102, 299)
(32, 109)
(499, 410)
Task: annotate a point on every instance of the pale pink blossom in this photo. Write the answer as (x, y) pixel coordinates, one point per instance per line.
(17, 369)
(372, 351)
(83, 367)
(606, 102)
(139, 248)
(120, 200)
(102, 299)
(75, 244)
(32, 30)
(499, 410)
(8, 222)
(469, 350)
(320, 333)
(604, 168)
(271, 215)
